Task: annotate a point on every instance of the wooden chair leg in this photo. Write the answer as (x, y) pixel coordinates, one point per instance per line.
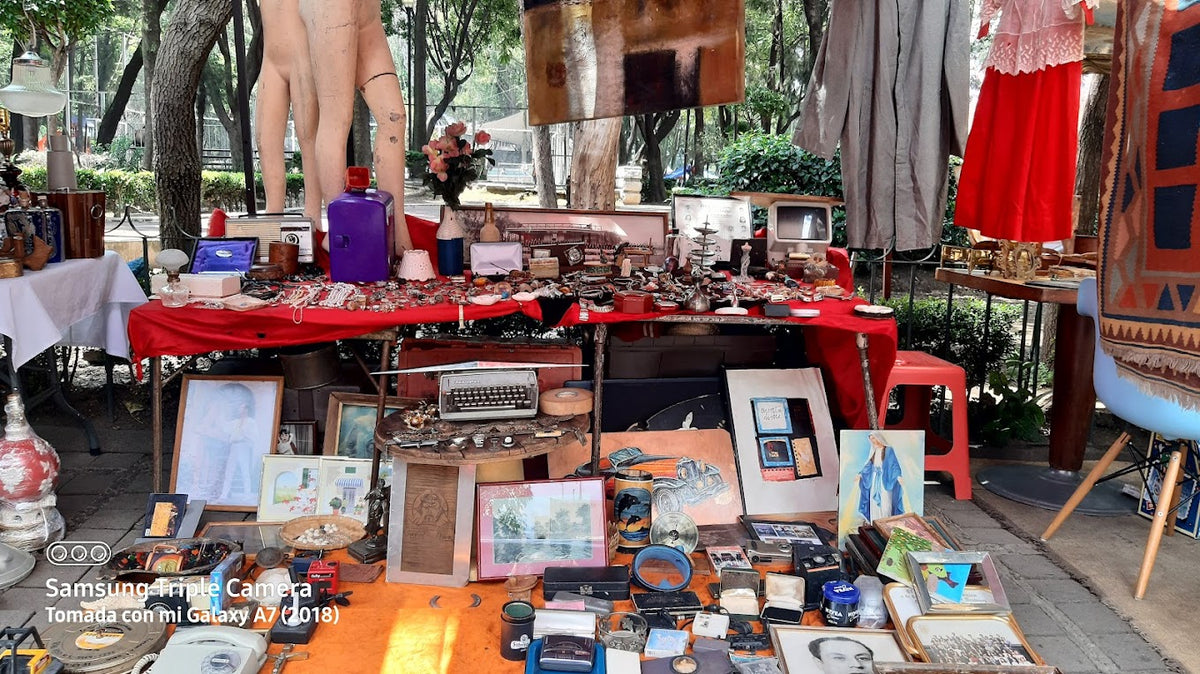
(1160, 517)
(1086, 485)
(1176, 497)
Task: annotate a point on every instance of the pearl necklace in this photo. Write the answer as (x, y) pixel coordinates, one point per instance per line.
(337, 295)
(299, 298)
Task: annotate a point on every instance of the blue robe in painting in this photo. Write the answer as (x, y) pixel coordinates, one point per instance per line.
(890, 480)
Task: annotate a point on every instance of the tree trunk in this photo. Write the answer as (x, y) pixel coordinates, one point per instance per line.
(1091, 141)
(360, 133)
(420, 61)
(656, 191)
(201, 107)
(189, 38)
(120, 99)
(594, 164)
(151, 34)
(543, 168)
(815, 12)
(698, 159)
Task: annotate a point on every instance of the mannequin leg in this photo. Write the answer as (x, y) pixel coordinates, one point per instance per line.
(333, 39)
(381, 91)
(270, 122)
(306, 116)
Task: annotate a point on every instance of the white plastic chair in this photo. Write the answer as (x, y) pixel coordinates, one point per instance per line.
(1127, 401)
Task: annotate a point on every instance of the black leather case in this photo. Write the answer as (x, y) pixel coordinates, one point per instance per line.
(606, 582)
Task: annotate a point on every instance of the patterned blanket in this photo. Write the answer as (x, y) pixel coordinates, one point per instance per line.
(1150, 216)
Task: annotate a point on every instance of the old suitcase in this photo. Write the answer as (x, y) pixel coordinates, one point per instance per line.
(83, 214)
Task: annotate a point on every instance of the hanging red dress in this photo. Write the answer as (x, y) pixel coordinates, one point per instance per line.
(1018, 173)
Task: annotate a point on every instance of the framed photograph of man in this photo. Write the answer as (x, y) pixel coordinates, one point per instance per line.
(882, 475)
(828, 650)
(226, 425)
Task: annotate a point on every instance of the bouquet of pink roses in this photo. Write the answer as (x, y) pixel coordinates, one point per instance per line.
(453, 163)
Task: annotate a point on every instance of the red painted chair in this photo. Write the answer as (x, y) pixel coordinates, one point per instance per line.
(919, 372)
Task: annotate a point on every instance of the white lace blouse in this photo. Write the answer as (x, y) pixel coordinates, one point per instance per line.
(1034, 34)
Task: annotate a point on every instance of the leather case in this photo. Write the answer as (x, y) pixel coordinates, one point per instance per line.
(224, 254)
(570, 256)
(83, 217)
(739, 592)
(606, 582)
(634, 302)
(562, 653)
(784, 599)
(679, 604)
(496, 259)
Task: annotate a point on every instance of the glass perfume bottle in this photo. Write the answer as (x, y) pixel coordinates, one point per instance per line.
(174, 294)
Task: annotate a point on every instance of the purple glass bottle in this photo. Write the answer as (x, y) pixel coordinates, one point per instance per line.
(361, 226)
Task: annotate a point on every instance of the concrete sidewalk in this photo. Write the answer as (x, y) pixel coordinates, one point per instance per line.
(104, 498)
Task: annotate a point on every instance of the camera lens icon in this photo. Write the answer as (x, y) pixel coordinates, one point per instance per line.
(78, 553)
(291, 238)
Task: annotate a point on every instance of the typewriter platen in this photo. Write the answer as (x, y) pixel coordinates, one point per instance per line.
(488, 394)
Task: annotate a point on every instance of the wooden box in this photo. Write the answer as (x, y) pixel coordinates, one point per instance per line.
(426, 352)
(83, 214)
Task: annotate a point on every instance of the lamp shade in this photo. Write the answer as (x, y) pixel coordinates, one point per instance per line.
(32, 92)
(171, 259)
(416, 265)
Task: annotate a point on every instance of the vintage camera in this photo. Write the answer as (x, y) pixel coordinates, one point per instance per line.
(762, 552)
(562, 653)
(817, 564)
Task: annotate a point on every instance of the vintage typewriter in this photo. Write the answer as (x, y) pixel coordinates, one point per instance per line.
(490, 394)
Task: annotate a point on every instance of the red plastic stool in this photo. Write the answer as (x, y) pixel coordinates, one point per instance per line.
(919, 372)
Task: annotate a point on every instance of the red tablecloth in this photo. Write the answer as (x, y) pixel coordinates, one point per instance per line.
(158, 331)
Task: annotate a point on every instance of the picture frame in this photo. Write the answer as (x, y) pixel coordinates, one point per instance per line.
(881, 474)
(343, 485)
(694, 473)
(351, 420)
(1187, 517)
(164, 514)
(226, 424)
(545, 226)
(803, 533)
(252, 536)
(730, 216)
(430, 522)
(290, 486)
(810, 492)
(776, 452)
(913, 524)
(524, 527)
(792, 643)
(902, 604)
(986, 639)
(927, 668)
(986, 597)
(298, 438)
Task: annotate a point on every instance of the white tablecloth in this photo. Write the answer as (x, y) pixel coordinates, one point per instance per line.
(75, 302)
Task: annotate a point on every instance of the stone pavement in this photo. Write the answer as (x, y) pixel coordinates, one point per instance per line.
(104, 498)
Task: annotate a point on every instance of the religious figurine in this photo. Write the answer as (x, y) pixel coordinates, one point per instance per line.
(744, 272)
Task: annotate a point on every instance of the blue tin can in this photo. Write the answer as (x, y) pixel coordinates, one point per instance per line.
(839, 603)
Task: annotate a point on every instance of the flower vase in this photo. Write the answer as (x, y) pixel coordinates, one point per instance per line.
(450, 244)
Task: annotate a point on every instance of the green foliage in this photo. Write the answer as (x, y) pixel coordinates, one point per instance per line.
(121, 154)
(1007, 411)
(219, 189)
(57, 22)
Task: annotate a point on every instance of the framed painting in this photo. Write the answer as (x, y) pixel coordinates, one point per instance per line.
(882, 475)
(694, 470)
(803, 649)
(342, 487)
(351, 421)
(980, 639)
(289, 487)
(252, 536)
(226, 425)
(1187, 517)
(940, 580)
(783, 399)
(524, 527)
(631, 57)
(728, 215)
(164, 513)
(430, 524)
(297, 438)
(595, 230)
(913, 524)
(927, 668)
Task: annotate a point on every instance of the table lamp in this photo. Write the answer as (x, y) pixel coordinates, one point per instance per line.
(174, 293)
